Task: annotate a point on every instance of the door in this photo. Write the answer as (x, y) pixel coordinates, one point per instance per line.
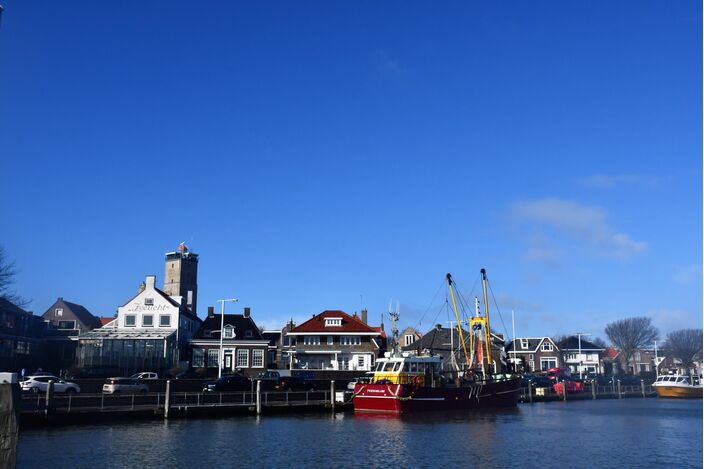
(228, 361)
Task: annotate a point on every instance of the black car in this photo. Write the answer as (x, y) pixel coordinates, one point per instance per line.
(228, 383)
(538, 381)
(295, 383)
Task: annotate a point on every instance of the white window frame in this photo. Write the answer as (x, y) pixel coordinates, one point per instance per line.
(311, 340)
(350, 340)
(144, 316)
(242, 358)
(333, 322)
(133, 317)
(331, 340)
(547, 346)
(198, 358)
(161, 318)
(213, 356)
(228, 332)
(547, 359)
(257, 358)
(59, 312)
(524, 344)
(409, 339)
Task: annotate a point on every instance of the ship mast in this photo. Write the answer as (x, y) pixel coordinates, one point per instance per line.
(459, 323)
(393, 315)
(481, 323)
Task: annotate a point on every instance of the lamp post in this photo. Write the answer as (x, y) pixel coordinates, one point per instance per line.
(579, 354)
(222, 330)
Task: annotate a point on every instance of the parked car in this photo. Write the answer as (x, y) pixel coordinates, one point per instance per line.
(188, 374)
(558, 374)
(145, 375)
(572, 386)
(268, 375)
(359, 379)
(295, 383)
(228, 383)
(538, 381)
(124, 386)
(40, 384)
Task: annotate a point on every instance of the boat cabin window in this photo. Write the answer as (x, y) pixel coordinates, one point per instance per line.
(388, 366)
(379, 366)
(406, 367)
(397, 366)
(414, 367)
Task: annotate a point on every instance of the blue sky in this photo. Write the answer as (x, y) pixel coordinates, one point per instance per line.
(324, 155)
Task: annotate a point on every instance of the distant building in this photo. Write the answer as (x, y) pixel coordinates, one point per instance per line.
(581, 355)
(334, 340)
(150, 333)
(280, 346)
(534, 353)
(243, 347)
(66, 322)
(181, 276)
(21, 344)
(642, 361)
(409, 336)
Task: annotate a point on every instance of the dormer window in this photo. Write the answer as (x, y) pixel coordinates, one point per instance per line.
(547, 346)
(59, 312)
(331, 322)
(524, 343)
(228, 332)
(248, 334)
(149, 302)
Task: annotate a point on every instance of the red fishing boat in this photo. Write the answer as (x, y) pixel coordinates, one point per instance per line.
(410, 382)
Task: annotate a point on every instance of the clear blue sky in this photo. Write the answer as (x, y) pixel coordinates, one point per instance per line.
(313, 152)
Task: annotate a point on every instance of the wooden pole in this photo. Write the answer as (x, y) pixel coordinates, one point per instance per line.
(332, 395)
(9, 421)
(642, 387)
(594, 389)
(167, 399)
(49, 400)
(618, 386)
(530, 391)
(564, 391)
(259, 396)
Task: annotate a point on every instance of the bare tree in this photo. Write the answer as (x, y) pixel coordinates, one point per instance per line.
(685, 344)
(7, 278)
(599, 342)
(630, 335)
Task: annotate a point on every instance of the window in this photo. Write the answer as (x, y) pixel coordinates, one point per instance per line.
(636, 356)
(311, 340)
(130, 320)
(548, 362)
(67, 324)
(530, 356)
(213, 357)
(643, 367)
(547, 346)
(242, 358)
(248, 334)
(165, 320)
(258, 358)
(409, 339)
(524, 343)
(360, 363)
(148, 320)
(333, 322)
(228, 332)
(149, 302)
(330, 340)
(350, 340)
(198, 358)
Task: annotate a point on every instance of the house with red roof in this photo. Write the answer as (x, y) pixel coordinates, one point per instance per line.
(334, 340)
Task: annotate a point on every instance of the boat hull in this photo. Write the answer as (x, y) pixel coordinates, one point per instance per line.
(404, 398)
(683, 392)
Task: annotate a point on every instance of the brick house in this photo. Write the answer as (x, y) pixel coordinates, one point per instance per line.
(642, 361)
(334, 340)
(244, 349)
(408, 336)
(534, 353)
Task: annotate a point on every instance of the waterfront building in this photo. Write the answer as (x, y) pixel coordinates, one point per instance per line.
(66, 321)
(280, 346)
(334, 340)
(21, 343)
(409, 336)
(150, 333)
(534, 354)
(244, 349)
(641, 363)
(581, 356)
(181, 276)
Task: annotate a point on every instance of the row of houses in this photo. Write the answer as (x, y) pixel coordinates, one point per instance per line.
(159, 330)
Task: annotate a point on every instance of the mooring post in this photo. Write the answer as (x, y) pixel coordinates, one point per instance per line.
(259, 396)
(9, 419)
(49, 400)
(332, 394)
(167, 399)
(642, 387)
(594, 389)
(530, 391)
(618, 387)
(564, 391)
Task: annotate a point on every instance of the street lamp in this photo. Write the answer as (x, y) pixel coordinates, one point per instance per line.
(579, 354)
(222, 330)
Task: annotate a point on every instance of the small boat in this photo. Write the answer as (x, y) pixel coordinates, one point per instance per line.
(677, 385)
(406, 382)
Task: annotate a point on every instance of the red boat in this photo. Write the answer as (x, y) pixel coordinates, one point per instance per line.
(408, 382)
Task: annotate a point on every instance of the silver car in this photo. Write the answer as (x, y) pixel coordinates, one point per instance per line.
(41, 383)
(124, 386)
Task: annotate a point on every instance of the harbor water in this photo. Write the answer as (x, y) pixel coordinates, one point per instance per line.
(603, 433)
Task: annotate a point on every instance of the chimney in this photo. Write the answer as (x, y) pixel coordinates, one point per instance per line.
(141, 288)
(382, 323)
(364, 315)
(151, 282)
(211, 311)
(61, 298)
(246, 311)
